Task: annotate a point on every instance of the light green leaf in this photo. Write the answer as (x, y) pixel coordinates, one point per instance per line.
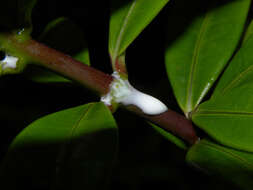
(61, 34)
(196, 57)
(228, 116)
(249, 32)
(128, 19)
(177, 141)
(70, 149)
(232, 165)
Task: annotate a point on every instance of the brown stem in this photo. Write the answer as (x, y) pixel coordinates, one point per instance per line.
(97, 81)
(171, 121)
(120, 66)
(63, 64)
(176, 123)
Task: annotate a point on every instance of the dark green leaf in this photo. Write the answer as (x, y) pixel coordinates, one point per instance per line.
(233, 165)
(16, 14)
(42, 75)
(128, 19)
(228, 116)
(177, 141)
(70, 149)
(25, 8)
(197, 56)
(61, 34)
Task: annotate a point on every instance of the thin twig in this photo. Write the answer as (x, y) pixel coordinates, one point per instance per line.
(96, 81)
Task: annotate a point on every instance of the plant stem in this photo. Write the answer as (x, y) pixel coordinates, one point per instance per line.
(65, 65)
(119, 65)
(96, 81)
(171, 121)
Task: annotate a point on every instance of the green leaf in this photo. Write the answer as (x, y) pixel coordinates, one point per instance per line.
(64, 35)
(228, 116)
(128, 19)
(249, 32)
(232, 165)
(16, 14)
(70, 149)
(196, 57)
(25, 8)
(43, 75)
(54, 36)
(177, 141)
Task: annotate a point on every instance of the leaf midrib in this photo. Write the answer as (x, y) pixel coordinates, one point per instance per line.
(76, 125)
(237, 79)
(122, 30)
(61, 153)
(195, 61)
(244, 161)
(217, 112)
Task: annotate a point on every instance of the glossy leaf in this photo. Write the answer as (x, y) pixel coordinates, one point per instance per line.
(249, 32)
(197, 56)
(228, 116)
(16, 14)
(177, 141)
(128, 19)
(70, 149)
(61, 34)
(233, 165)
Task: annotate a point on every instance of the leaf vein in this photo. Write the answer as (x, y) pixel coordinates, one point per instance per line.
(195, 60)
(247, 164)
(122, 30)
(78, 122)
(237, 79)
(214, 112)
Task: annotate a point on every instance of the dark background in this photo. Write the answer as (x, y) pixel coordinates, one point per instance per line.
(146, 160)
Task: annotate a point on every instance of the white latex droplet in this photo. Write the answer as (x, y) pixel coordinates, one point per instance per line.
(9, 62)
(106, 99)
(148, 104)
(121, 91)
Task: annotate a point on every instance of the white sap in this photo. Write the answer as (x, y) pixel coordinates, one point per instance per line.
(121, 91)
(9, 62)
